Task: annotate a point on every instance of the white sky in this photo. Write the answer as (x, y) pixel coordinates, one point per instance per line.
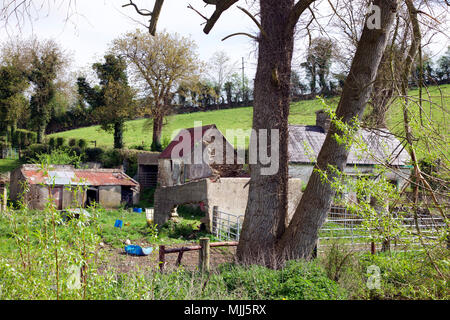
(97, 23)
(88, 34)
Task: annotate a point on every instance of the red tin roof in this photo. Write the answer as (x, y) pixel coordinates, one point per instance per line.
(101, 177)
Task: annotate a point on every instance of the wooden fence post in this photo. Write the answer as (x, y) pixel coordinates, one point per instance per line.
(372, 247)
(4, 199)
(204, 254)
(162, 257)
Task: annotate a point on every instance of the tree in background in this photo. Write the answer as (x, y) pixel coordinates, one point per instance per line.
(443, 71)
(318, 63)
(159, 65)
(297, 87)
(220, 70)
(229, 89)
(47, 61)
(13, 103)
(112, 101)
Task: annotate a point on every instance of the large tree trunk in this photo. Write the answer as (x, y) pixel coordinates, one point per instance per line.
(157, 133)
(302, 233)
(118, 135)
(266, 214)
(41, 133)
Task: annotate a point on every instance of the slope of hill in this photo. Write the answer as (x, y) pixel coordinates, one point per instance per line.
(139, 132)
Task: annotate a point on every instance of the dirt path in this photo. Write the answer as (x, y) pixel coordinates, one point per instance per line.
(121, 262)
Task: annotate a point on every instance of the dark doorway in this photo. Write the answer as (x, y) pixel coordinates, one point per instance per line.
(127, 196)
(91, 196)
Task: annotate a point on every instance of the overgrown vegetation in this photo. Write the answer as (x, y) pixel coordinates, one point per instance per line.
(43, 256)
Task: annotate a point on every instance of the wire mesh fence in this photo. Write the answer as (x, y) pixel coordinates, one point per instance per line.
(9, 153)
(226, 226)
(349, 229)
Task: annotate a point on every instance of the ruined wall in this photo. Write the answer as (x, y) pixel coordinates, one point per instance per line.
(37, 198)
(166, 198)
(72, 198)
(15, 186)
(148, 158)
(110, 196)
(230, 195)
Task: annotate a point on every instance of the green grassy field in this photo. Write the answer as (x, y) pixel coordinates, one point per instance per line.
(8, 165)
(139, 132)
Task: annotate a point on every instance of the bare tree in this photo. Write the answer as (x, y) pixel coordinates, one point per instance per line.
(159, 64)
(221, 70)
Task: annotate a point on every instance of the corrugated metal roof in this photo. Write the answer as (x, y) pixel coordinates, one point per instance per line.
(305, 143)
(96, 178)
(167, 153)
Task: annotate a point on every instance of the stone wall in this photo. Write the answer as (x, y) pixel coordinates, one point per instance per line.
(110, 196)
(230, 195)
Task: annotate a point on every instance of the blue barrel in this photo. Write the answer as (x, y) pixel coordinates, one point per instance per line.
(134, 250)
(118, 224)
(137, 210)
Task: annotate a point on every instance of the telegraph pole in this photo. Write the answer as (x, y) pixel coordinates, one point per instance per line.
(243, 79)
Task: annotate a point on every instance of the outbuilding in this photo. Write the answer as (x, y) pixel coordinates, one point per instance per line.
(70, 187)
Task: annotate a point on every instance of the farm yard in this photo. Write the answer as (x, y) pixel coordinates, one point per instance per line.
(110, 273)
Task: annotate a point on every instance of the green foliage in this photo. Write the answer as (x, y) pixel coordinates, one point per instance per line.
(410, 275)
(12, 100)
(299, 280)
(82, 144)
(46, 63)
(60, 141)
(60, 156)
(72, 142)
(52, 143)
(94, 154)
(34, 150)
(112, 102)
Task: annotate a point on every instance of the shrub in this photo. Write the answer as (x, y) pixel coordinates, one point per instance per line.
(299, 280)
(34, 150)
(72, 142)
(111, 158)
(60, 141)
(94, 154)
(82, 143)
(52, 143)
(410, 275)
(59, 157)
(32, 137)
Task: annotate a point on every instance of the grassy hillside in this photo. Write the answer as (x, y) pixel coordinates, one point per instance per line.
(140, 131)
(7, 165)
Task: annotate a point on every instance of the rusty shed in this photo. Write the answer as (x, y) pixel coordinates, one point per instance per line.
(73, 187)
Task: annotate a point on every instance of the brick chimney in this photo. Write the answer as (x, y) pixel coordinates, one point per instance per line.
(323, 120)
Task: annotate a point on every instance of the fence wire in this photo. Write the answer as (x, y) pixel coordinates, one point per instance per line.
(346, 228)
(226, 226)
(349, 229)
